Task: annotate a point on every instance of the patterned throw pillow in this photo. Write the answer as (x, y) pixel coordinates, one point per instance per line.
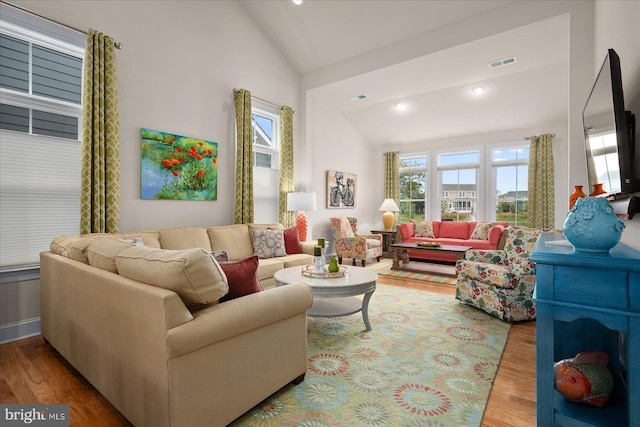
(268, 243)
(481, 232)
(424, 229)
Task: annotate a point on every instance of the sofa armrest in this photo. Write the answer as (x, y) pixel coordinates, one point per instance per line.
(486, 256)
(307, 247)
(239, 316)
(372, 236)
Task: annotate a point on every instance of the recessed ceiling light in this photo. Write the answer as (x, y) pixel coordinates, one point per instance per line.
(477, 90)
(401, 106)
(297, 1)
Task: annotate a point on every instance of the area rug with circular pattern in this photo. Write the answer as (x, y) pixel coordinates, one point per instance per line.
(428, 361)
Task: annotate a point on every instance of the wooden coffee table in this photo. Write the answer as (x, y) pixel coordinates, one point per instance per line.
(335, 297)
(401, 258)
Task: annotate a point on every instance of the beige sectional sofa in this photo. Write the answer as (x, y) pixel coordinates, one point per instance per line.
(145, 346)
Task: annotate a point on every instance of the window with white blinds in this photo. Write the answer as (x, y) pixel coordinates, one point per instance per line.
(40, 119)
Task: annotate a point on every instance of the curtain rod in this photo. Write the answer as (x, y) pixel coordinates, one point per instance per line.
(263, 100)
(117, 45)
(553, 135)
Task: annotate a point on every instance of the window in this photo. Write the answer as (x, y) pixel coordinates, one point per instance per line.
(40, 119)
(266, 162)
(458, 178)
(413, 182)
(604, 150)
(511, 169)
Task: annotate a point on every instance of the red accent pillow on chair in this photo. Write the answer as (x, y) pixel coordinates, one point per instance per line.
(242, 276)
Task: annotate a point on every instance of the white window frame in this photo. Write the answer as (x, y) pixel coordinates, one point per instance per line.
(266, 187)
(495, 164)
(460, 166)
(418, 169)
(47, 192)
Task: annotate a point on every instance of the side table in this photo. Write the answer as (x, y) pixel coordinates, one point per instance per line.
(388, 237)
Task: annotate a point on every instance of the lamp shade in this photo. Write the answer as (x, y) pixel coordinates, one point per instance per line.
(301, 201)
(389, 205)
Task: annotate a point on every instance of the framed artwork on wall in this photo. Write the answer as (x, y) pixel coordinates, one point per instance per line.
(341, 189)
(175, 167)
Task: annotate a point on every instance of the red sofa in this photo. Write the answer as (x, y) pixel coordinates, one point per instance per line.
(449, 233)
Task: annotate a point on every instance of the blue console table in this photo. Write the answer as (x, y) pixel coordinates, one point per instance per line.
(587, 301)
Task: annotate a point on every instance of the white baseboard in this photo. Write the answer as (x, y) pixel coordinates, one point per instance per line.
(19, 330)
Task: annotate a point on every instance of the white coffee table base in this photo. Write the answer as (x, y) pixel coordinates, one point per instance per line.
(335, 297)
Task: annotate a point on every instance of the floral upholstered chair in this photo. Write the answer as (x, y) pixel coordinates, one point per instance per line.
(350, 244)
(501, 282)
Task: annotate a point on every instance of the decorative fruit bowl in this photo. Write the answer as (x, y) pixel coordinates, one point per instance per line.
(307, 271)
(428, 244)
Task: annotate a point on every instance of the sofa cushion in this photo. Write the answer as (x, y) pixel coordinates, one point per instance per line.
(234, 239)
(60, 245)
(424, 229)
(268, 243)
(268, 267)
(481, 231)
(454, 229)
(191, 273)
(102, 252)
(78, 250)
(242, 276)
(292, 241)
(266, 226)
(296, 259)
(185, 238)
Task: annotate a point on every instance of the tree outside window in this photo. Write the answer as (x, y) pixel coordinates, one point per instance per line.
(413, 184)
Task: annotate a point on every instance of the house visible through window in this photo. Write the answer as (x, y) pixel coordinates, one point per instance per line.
(511, 169)
(266, 162)
(40, 119)
(458, 177)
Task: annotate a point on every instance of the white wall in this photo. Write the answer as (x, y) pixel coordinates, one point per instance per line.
(176, 73)
(334, 144)
(616, 27)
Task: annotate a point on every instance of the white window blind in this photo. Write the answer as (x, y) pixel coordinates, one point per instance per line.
(40, 106)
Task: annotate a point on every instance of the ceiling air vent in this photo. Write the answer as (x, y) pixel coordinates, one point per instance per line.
(503, 62)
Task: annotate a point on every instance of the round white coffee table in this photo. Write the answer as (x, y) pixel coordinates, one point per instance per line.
(335, 297)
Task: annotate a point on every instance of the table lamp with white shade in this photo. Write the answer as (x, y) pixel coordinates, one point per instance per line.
(389, 206)
(300, 203)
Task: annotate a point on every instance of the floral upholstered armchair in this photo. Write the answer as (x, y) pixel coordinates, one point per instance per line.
(501, 282)
(350, 244)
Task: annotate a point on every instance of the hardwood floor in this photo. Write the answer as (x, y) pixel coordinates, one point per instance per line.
(31, 371)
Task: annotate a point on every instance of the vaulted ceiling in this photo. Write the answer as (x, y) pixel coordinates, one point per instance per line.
(435, 88)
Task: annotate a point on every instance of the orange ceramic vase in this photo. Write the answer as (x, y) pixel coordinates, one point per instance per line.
(597, 190)
(577, 193)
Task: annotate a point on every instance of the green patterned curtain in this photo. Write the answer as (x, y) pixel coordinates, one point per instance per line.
(286, 165)
(541, 196)
(392, 179)
(100, 169)
(244, 158)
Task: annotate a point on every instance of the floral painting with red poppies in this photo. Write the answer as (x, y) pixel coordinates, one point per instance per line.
(176, 167)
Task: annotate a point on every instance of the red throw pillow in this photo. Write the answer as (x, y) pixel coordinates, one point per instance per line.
(407, 230)
(292, 241)
(242, 276)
